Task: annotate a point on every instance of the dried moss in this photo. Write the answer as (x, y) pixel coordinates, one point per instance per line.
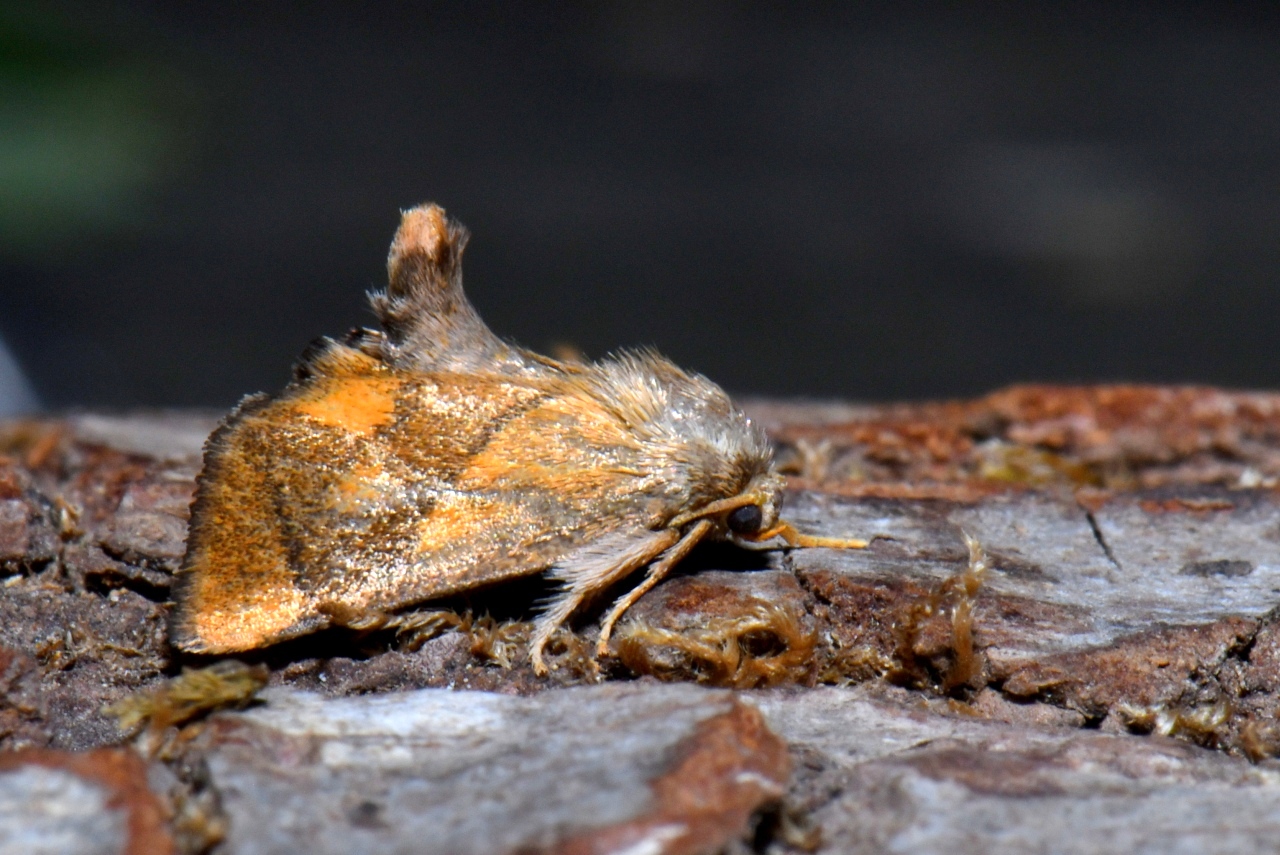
(1259, 740)
(192, 693)
(766, 645)
(1012, 463)
(941, 658)
(1204, 724)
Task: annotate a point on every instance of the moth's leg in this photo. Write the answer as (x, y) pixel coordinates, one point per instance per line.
(657, 572)
(593, 569)
(795, 538)
(714, 509)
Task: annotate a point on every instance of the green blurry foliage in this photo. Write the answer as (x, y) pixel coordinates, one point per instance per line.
(91, 123)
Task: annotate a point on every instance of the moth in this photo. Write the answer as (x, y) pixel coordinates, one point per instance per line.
(431, 457)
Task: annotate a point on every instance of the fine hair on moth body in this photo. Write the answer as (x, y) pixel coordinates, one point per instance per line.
(430, 457)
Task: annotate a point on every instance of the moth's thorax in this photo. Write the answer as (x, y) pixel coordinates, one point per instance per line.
(695, 446)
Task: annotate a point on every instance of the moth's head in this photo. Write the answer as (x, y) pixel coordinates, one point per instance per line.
(759, 511)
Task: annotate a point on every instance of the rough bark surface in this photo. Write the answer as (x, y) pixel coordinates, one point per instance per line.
(1107, 681)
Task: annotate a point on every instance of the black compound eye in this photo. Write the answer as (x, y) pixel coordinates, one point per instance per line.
(746, 519)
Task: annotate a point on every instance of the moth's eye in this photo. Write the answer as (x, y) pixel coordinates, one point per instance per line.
(746, 519)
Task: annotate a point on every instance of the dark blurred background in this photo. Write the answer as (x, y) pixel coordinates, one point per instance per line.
(795, 199)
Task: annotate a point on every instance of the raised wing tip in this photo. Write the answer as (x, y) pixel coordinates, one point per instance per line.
(426, 230)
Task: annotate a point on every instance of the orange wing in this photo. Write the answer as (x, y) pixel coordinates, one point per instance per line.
(377, 490)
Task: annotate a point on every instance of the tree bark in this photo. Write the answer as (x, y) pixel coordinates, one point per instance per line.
(1096, 669)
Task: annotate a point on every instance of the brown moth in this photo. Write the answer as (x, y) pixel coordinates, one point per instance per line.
(432, 457)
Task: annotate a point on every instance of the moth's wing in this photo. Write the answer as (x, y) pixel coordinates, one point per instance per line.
(377, 490)
(429, 323)
(236, 583)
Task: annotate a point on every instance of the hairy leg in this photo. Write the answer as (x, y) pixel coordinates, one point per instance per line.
(657, 571)
(592, 570)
